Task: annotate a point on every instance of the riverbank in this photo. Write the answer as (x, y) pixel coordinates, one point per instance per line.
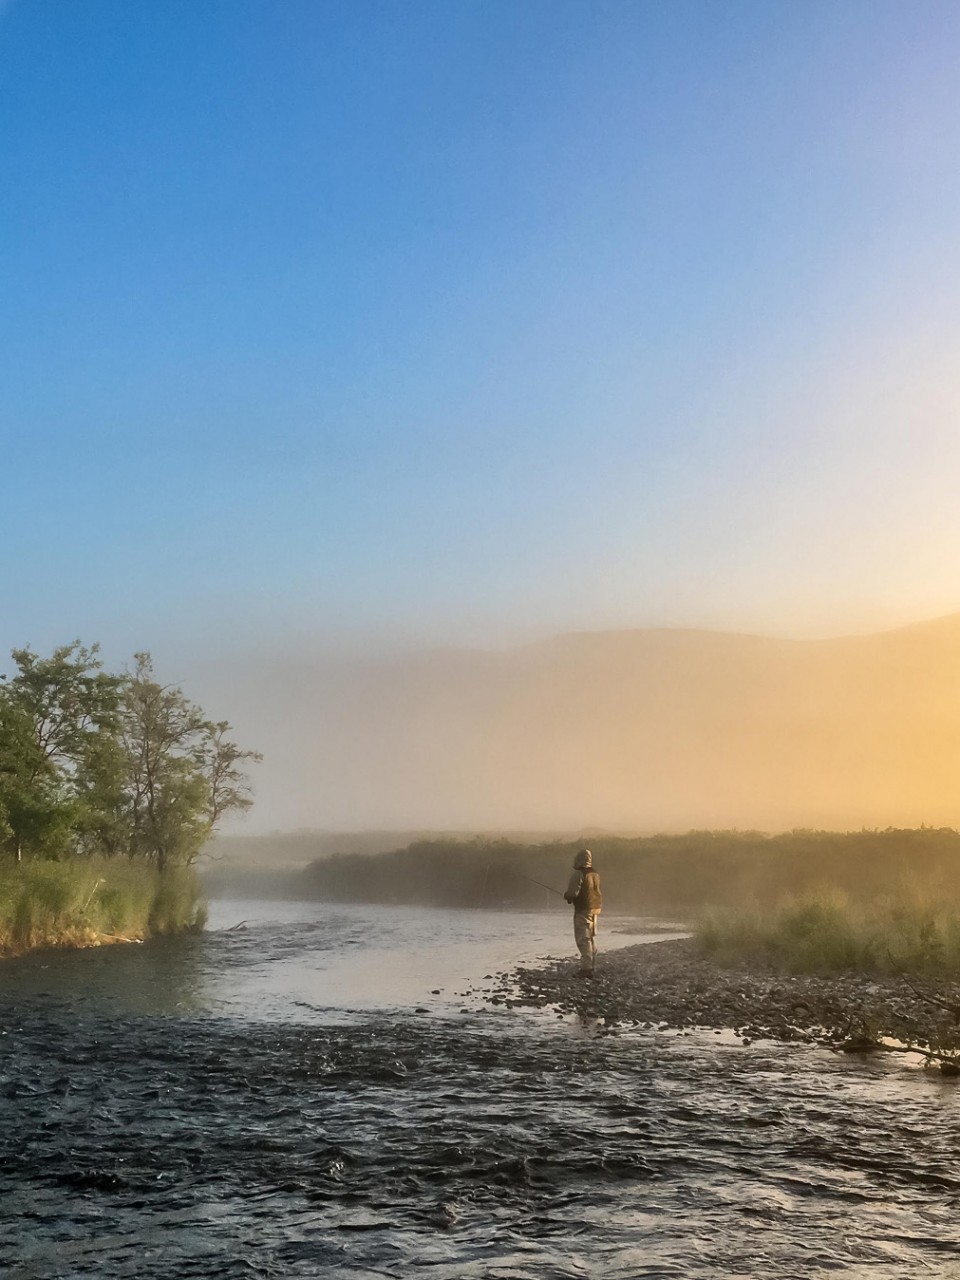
(672, 985)
(93, 902)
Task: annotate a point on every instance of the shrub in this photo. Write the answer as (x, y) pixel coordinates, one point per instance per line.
(177, 904)
(87, 901)
(829, 934)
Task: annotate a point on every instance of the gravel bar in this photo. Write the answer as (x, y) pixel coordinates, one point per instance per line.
(670, 985)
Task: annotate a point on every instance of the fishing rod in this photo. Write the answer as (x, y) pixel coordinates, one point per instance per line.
(550, 887)
(520, 876)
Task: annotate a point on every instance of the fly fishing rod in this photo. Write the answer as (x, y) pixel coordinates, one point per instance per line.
(520, 876)
(531, 880)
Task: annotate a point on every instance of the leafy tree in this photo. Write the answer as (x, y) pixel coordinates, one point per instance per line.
(223, 767)
(54, 714)
(97, 763)
(100, 783)
(67, 698)
(20, 761)
(184, 774)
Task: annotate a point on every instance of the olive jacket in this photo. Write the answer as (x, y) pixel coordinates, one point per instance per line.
(584, 892)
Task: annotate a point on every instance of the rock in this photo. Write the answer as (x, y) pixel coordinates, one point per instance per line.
(859, 1044)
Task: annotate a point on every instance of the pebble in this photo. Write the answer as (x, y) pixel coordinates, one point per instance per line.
(671, 985)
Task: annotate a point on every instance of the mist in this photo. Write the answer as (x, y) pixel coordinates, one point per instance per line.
(634, 731)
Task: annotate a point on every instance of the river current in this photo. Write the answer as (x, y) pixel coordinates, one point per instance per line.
(324, 1091)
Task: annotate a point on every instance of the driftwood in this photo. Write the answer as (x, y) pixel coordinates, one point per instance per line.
(947, 1061)
(940, 1004)
(938, 1044)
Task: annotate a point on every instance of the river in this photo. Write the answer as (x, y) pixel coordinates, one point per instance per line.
(324, 1091)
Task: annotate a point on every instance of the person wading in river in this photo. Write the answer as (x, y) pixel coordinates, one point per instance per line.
(584, 892)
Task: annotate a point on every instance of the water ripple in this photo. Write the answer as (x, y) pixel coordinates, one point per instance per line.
(399, 1145)
(170, 1144)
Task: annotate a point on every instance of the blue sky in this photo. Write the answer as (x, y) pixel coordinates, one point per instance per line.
(464, 322)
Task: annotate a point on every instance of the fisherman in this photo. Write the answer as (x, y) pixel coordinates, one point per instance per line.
(583, 892)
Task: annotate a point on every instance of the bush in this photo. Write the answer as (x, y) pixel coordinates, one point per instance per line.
(830, 934)
(177, 904)
(88, 901)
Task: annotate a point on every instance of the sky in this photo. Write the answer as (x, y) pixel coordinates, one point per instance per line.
(372, 324)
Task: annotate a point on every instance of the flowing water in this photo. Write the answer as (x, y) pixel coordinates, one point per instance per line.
(324, 1092)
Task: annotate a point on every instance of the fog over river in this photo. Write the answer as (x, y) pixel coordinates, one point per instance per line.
(325, 1091)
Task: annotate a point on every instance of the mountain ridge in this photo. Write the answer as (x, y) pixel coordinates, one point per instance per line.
(641, 729)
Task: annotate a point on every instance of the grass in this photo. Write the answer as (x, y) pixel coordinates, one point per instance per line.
(830, 933)
(85, 902)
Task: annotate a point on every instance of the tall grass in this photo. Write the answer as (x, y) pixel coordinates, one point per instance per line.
(80, 902)
(830, 933)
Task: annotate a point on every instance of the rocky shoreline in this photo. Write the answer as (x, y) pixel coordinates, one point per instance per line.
(672, 985)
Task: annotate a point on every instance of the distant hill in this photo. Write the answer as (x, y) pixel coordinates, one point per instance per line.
(632, 730)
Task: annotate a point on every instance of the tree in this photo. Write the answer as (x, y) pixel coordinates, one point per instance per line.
(98, 763)
(183, 773)
(223, 767)
(68, 699)
(54, 717)
(102, 809)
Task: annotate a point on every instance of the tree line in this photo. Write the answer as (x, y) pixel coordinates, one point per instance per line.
(99, 763)
(653, 875)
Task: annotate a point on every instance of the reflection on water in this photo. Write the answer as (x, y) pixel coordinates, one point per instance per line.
(297, 960)
(259, 1133)
(165, 976)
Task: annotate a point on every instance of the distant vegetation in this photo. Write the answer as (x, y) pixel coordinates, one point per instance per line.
(656, 875)
(288, 849)
(831, 934)
(110, 785)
